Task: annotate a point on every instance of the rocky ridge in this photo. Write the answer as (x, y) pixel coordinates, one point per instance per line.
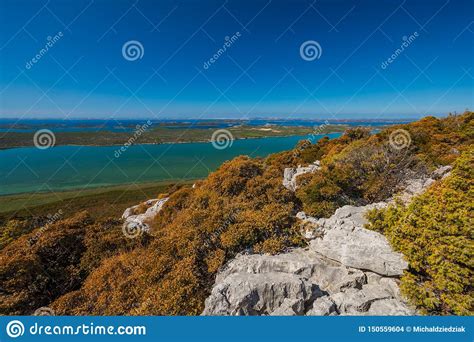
(345, 270)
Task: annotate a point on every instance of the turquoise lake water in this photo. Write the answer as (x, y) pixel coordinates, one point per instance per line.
(72, 167)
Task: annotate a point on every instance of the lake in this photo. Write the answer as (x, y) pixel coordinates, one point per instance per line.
(73, 167)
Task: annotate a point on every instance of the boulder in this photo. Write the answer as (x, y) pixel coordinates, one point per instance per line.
(416, 186)
(140, 221)
(258, 294)
(289, 307)
(441, 172)
(290, 174)
(389, 307)
(370, 300)
(343, 238)
(357, 301)
(323, 306)
(300, 282)
(362, 249)
(130, 211)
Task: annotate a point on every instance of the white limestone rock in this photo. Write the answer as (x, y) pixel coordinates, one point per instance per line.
(289, 307)
(301, 282)
(291, 174)
(257, 294)
(140, 221)
(442, 172)
(343, 238)
(323, 306)
(370, 300)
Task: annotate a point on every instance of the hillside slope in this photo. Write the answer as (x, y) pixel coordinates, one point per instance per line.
(243, 207)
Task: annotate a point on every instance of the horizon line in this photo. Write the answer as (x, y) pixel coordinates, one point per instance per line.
(355, 118)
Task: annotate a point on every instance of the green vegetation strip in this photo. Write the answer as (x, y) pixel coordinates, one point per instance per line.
(161, 135)
(102, 202)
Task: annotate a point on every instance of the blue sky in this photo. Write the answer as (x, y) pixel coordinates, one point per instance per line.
(262, 74)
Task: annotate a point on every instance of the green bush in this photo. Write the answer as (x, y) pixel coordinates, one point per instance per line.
(435, 234)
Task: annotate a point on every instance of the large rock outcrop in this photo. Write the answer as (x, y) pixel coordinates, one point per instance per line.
(345, 270)
(301, 282)
(343, 238)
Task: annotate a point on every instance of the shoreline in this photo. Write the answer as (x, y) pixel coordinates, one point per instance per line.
(29, 200)
(105, 188)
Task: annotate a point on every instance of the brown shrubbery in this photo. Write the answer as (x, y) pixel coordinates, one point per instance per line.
(55, 259)
(41, 266)
(240, 207)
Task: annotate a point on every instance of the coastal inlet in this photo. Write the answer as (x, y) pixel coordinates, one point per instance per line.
(30, 169)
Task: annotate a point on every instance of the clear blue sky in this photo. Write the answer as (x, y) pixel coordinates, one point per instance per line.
(84, 75)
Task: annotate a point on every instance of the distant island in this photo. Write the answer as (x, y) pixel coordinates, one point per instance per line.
(158, 133)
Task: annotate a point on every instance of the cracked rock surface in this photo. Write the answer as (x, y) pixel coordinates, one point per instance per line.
(301, 282)
(345, 270)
